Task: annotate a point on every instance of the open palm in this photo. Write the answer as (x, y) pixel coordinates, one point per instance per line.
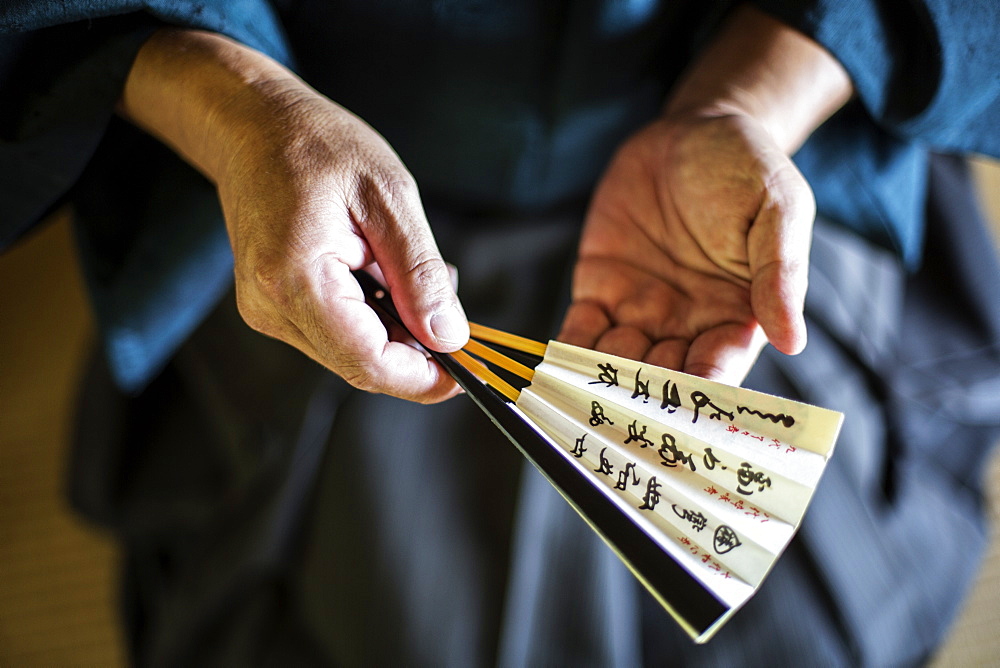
(695, 250)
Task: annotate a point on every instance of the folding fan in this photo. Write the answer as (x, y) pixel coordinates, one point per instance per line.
(696, 485)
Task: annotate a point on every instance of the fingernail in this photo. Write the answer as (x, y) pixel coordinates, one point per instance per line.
(449, 326)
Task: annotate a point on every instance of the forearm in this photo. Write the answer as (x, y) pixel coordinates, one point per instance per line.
(203, 95)
(758, 66)
(309, 193)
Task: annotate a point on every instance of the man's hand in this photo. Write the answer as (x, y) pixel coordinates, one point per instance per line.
(696, 238)
(327, 197)
(696, 245)
(310, 193)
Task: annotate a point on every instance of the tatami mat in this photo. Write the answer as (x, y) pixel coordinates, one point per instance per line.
(57, 577)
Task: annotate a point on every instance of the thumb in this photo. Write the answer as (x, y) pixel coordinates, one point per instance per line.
(416, 275)
(779, 261)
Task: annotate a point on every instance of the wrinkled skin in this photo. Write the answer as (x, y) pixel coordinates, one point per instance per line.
(302, 215)
(695, 248)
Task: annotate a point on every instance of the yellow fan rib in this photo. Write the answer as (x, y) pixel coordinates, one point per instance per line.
(511, 341)
(485, 352)
(484, 374)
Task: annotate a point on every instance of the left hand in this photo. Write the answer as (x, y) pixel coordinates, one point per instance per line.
(695, 249)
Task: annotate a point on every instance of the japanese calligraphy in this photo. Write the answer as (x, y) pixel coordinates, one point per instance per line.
(698, 521)
(700, 400)
(671, 397)
(605, 466)
(729, 453)
(748, 477)
(652, 496)
(705, 557)
(635, 435)
(739, 504)
(622, 483)
(608, 375)
(641, 388)
(711, 460)
(786, 420)
(775, 442)
(676, 455)
(597, 417)
(725, 540)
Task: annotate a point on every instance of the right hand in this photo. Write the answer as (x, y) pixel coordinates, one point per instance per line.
(322, 196)
(309, 193)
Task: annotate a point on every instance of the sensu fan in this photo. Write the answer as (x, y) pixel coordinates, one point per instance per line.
(698, 486)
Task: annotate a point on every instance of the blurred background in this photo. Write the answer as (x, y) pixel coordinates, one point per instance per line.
(58, 587)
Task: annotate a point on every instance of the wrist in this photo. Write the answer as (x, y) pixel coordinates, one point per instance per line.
(206, 96)
(758, 67)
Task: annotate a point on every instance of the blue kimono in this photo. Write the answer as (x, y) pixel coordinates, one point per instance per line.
(271, 514)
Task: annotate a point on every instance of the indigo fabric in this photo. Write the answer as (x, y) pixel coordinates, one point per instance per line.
(154, 267)
(494, 106)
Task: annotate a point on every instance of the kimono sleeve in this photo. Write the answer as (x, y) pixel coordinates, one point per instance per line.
(926, 70)
(153, 269)
(62, 67)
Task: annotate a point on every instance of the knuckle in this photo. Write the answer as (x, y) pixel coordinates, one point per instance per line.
(362, 376)
(397, 186)
(254, 316)
(272, 280)
(428, 271)
(790, 192)
(382, 192)
(428, 276)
